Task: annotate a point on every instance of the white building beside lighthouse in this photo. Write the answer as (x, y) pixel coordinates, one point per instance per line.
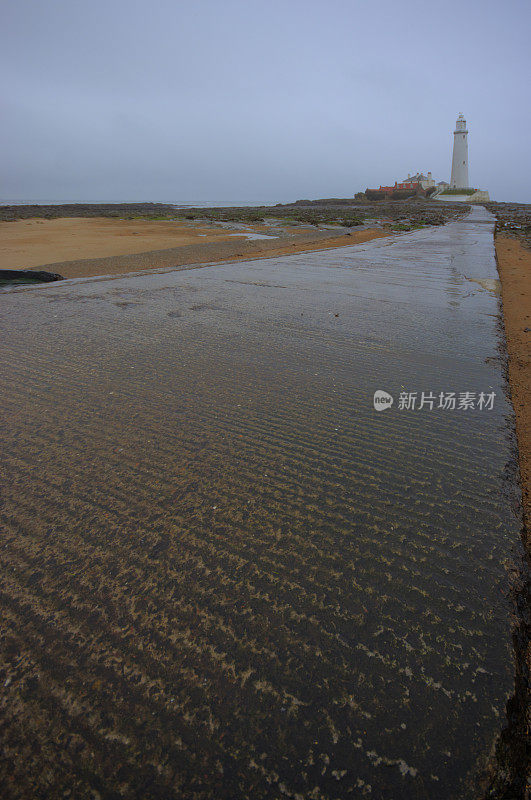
(459, 179)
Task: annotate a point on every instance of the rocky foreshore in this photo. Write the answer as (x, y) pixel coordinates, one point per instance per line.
(513, 219)
(337, 211)
(346, 212)
(150, 210)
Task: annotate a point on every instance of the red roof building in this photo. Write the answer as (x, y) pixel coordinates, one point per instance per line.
(407, 184)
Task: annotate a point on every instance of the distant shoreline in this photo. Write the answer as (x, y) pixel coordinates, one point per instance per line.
(174, 205)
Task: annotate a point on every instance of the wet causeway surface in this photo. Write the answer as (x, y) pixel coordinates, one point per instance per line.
(223, 574)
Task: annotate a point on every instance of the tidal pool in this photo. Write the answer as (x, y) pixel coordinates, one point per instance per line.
(224, 574)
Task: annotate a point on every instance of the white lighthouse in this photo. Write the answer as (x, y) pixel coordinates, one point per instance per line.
(459, 179)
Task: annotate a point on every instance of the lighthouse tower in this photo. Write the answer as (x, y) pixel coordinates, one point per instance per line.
(459, 179)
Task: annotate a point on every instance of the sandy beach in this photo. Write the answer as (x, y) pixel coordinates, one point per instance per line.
(78, 248)
(35, 242)
(514, 266)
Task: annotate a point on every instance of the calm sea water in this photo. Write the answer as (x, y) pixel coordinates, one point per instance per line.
(188, 203)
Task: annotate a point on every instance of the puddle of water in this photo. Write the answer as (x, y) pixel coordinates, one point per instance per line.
(251, 235)
(489, 284)
(219, 560)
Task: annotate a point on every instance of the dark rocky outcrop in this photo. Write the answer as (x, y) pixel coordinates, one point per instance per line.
(12, 276)
(13, 213)
(513, 219)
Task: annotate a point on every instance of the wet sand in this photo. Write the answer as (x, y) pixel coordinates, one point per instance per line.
(514, 266)
(79, 248)
(35, 242)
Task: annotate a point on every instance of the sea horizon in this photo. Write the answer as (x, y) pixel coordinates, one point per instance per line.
(181, 203)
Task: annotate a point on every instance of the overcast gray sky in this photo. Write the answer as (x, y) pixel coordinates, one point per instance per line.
(206, 100)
